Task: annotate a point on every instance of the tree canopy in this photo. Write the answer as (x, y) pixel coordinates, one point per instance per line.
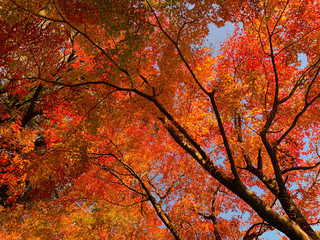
(117, 120)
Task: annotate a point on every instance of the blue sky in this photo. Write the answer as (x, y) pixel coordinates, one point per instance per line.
(218, 35)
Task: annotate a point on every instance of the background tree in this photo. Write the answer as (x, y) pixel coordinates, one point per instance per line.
(117, 122)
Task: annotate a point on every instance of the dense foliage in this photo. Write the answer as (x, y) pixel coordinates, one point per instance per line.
(117, 121)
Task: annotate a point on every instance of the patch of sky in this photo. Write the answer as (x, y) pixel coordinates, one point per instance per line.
(218, 35)
(304, 61)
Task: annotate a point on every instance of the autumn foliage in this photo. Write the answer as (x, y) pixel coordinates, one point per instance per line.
(118, 121)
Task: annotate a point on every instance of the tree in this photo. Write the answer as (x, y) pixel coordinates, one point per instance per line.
(117, 121)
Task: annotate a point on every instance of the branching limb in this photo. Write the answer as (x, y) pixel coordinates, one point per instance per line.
(297, 117)
(225, 140)
(299, 168)
(206, 163)
(126, 205)
(212, 215)
(301, 80)
(175, 43)
(255, 235)
(147, 193)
